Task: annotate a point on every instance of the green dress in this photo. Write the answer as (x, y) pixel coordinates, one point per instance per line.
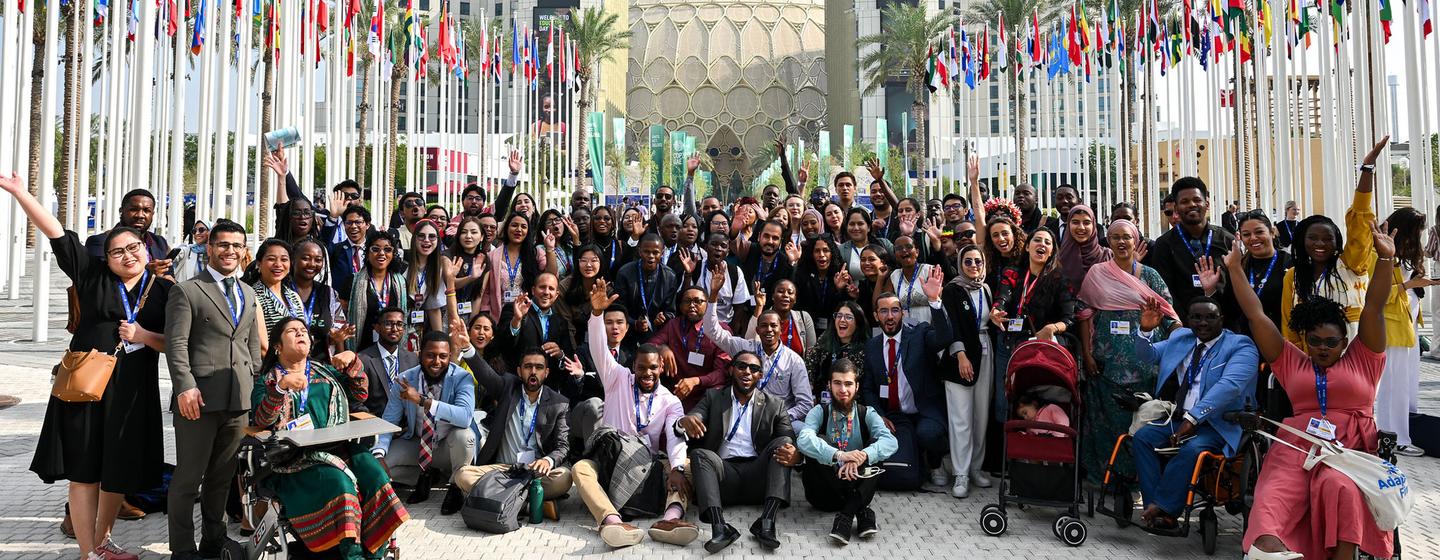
(1120, 371)
(337, 496)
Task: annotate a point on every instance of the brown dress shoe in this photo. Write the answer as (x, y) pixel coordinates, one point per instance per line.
(678, 532)
(129, 512)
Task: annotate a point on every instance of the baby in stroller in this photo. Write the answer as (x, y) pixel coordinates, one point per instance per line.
(1033, 407)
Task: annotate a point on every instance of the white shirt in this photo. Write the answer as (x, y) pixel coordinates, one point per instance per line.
(732, 294)
(1193, 395)
(236, 298)
(389, 360)
(907, 396)
(739, 444)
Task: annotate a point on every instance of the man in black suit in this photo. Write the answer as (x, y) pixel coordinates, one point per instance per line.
(347, 258)
(647, 289)
(905, 388)
(737, 437)
(1230, 219)
(384, 361)
(1178, 253)
(533, 321)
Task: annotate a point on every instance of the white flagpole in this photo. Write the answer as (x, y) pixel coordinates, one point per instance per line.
(82, 180)
(40, 294)
(220, 184)
(175, 182)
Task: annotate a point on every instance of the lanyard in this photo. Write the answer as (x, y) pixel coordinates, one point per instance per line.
(1196, 367)
(231, 303)
(909, 287)
(535, 415)
(304, 393)
(760, 349)
(686, 344)
(842, 432)
(738, 416)
(644, 301)
(382, 295)
(131, 312)
(790, 330)
(510, 270)
(1322, 388)
(1029, 289)
(641, 423)
(1266, 279)
(544, 319)
(614, 248)
(665, 257)
(824, 289)
(980, 306)
(760, 275)
(420, 285)
(1209, 236)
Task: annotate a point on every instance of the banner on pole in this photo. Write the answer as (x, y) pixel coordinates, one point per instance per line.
(848, 138)
(657, 155)
(597, 147)
(904, 150)
(823, 153)
(677, 158)
(882, 142)
(619, 126)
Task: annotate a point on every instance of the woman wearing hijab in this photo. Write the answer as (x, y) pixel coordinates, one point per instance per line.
(1113, 292)
(1080, 249)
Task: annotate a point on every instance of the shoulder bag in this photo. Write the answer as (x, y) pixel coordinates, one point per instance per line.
(83, 376)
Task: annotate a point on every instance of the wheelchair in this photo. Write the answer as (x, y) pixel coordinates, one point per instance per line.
(1217, 482)
(260, 451)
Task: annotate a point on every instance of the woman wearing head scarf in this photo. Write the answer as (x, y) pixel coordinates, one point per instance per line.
(1113, 292)
(1080, 249)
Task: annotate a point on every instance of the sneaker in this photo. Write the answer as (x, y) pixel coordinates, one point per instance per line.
(840, 531)
(112, 551)
(678, 532)
(865, 526)
(961, 488)
(939, 477)
(1409, 451)
(980, 479)
(620, 535)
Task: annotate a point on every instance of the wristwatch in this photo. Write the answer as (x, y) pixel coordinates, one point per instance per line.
(1367, 168)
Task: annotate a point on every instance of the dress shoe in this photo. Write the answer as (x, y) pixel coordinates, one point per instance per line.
(1256, 554)
(422, 491)
(980, 479)
(865, 526)
(453, 500)
(763, 529)
(129, 512)
(840, 531)
(213, 549)
(718, 541)
(678, 532)
(620, 535)
(187, 555)
(549, 510)
(67, 527)
(961, 488)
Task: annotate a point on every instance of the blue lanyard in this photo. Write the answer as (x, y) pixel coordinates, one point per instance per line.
(738, 416)
(641, 423)
(230, 303)
(544, 319)
(1196, 367)
(131, 312)
(644, 301)
(665, 257)
(420, 284)
(1266, 278)
(910, 287)
(382, 294)
(760, 349)
(761, 276)
(614, 249)
(1209, 236)
(699, 339)
(1322, 388)
(304, 393)
(980, 306)
(533, 417)
(511, 271)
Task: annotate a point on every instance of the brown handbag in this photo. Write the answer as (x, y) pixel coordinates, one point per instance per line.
(83, 376)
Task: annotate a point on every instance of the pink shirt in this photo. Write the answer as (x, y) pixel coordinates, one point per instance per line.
(1052, 414)
(658, 411)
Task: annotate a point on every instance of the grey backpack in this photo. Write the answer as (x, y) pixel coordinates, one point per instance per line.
(497, 501)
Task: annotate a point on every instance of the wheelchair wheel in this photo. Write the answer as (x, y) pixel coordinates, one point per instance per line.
(1073, 531)
(234, 550)
(1209, 526)
(1124, 505)
(993, 521)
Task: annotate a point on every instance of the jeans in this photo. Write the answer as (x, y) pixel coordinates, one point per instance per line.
(1165, 485)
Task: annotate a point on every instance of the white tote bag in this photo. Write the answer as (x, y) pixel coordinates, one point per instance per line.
(1384, 485)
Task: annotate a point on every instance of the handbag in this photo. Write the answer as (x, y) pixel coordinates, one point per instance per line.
(1384, 486)
(83, 376)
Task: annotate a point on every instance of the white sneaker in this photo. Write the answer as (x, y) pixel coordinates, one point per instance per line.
(939, 477)
(1257, 554)
(1409, 451)
(981, 480)
(961, 488)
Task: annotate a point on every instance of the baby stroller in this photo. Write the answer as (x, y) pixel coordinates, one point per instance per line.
(1038, 469)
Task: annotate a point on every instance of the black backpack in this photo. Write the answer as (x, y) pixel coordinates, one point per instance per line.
(860, 412)
(497, 501)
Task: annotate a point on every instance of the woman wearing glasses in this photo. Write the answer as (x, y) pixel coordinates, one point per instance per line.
(380, 285)
(845, 339)
(111, 447)
(191, 260)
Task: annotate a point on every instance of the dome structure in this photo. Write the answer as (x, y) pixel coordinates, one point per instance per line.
(734, 75)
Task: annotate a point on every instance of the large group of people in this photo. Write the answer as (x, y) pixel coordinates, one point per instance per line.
(692, 354)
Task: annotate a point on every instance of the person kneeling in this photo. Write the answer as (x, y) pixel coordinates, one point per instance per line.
(337, 496)
(843, 439)
(730, 458)
(1206, 370)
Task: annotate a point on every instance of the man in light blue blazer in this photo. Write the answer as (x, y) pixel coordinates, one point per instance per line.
(1206, 371)
(436, 401)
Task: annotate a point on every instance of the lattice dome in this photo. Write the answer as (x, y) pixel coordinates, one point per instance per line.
(734, 74)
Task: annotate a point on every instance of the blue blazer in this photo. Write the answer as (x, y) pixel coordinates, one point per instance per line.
(1226, 383)
(918, 354)
(456, 405)
(341, 273)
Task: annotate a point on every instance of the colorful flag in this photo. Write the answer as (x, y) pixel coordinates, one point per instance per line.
(197, 39)
(1425, 25)
(985, 54)
(377, 28)
(934, 79)
(1036, 51)
(1386, 16)
(1000, 46)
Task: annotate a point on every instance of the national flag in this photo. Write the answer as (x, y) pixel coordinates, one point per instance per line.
(514, 49)
(1036, 51)
(955, 56)
(134, 23)
(422, 64)
(197, 39)
(377, 28)
(575, 63)
(550, 52)
(102, 9)
(934, 80)
(1072, 38)
(462, 68)
(1386, 16)
(1426, 26)
(172, 18)
(410, 34)
(447, 45)
(1001, 46)
(985, 54)
(496, 63)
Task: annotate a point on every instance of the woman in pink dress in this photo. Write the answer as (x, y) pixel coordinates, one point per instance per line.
(1319, 513)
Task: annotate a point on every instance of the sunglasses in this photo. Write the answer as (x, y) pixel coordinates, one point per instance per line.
(1329, 342)
(352, 195)
(745, 366)
(412, 203)
(1169, 212)
(974, 262)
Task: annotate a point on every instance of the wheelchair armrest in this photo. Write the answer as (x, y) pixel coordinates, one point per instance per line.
(1246, 419)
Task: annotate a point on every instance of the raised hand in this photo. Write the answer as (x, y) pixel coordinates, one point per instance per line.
(717, 279)
(459, 336)
(276, 162)
(572, 365)
(793, 252)
(514, 162)
(12, 185)
(1375, 151)
(759, 292)
(687, 262)
(972, 171)
(572, 228)
(1384, 239)
(1150, 314)
(1234, 260)
(1141, 249)
(337, 203)
(521, 307)
(876, 172)
(339, 335)
(1209, 274)
(934, 282)
(692, 164)
(907, 224)
(549, 240)
(804, 175)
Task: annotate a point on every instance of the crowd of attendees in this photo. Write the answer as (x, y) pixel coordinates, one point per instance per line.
(719, 346)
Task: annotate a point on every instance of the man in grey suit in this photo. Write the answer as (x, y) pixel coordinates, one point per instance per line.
(737, 436)
(384, 362)
(213, 349)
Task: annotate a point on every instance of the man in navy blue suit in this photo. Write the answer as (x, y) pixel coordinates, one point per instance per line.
(347, 257)
(1206, 370)
(901, 383)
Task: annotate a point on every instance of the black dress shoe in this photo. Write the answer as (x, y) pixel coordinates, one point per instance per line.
(422, 491)
(840, 531)
(718, 541)
(865, 526)
(213, 549)
(453, 500)
(763, 529)
(188, 555)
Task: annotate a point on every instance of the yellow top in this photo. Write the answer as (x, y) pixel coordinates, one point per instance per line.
(1353, 274)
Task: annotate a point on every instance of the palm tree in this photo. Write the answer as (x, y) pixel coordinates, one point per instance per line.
(1018, 17)
(904, 51)
(597, 37)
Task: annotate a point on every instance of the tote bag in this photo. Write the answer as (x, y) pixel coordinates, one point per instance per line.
(1384, 485)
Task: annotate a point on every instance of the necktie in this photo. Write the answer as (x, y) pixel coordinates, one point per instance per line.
(615, 353)
(355, 259)
(390, 368)
(1185, 382)
(894, 373)
(230, 296)
(427, 433)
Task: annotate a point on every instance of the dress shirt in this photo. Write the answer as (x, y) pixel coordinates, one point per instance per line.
(519, 426)
(787, 379)
(1193, 395)
(739, 444)
(821, 447)
(391, 362)
(620, 406)
(907, 396)
(236, 298)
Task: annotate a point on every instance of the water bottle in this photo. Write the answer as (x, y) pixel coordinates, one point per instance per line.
(282, 138)
(537, 501)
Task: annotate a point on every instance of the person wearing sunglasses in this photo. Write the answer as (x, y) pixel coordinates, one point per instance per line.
(382, 284)
(1331, 382)
(968, 369)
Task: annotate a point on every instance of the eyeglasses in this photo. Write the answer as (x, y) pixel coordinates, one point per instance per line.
(133, 249)
(1329, 342)
(303, 214)
(1169, 212)
(955, 206)
(227, 247)
(427, 237)
(844, 317)
(376, 250)
(391, 324)
(967, 233)
(474, 198)
(746, 366)
(356, 223)
(201, 229)
(973, 262)
(352, 195)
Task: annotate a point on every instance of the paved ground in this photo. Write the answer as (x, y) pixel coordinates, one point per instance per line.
(920, 525)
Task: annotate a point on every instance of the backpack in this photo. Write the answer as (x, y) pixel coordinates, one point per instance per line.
(497, 501)
(860, 412)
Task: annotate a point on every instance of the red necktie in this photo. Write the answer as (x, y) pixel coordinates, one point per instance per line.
(894, 373)
(355, 258)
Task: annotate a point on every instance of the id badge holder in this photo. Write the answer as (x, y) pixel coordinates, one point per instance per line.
(1321, 428)
(1015, 325)
(1195, 280)
(302, 423)
(525, 457)
(884, 391)
(417, 316)
(1120, 328)
(822, 324)
(696, 359)
(510, 295)
(464, 307)
(825, 396)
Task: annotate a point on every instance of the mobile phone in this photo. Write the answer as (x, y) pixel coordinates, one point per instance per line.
(172, 254)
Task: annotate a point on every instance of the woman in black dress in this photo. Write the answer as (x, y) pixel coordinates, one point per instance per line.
(113, 446)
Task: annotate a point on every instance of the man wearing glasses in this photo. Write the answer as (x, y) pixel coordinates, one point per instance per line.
(347, 257)
(384, 361)
(345, 195)
(412, 210)
(472, 204)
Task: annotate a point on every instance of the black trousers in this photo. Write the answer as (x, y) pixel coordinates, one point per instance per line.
(827, 492)
(719, 482)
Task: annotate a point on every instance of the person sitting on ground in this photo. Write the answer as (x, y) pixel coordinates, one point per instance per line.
(1031, 406)
(639, 408)
(737, 437)
(324, 488)
(384, 360)
(436, 402)
(841, 439)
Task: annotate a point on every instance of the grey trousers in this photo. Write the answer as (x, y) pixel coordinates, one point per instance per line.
(204, 467)
(448, 456)
(720, 482)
